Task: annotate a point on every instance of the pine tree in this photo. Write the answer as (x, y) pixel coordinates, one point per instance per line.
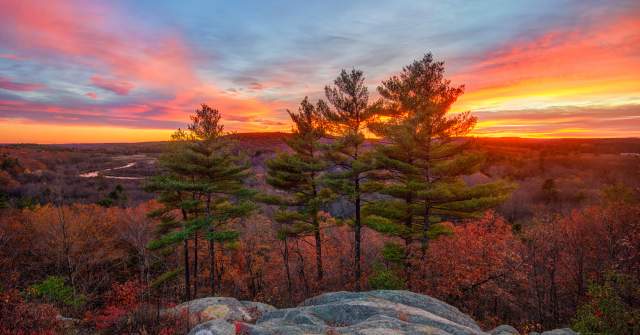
(347, 122)
(299, 174)
(204, 181)
(423, 159)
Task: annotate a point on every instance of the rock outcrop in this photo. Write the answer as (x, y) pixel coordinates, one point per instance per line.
(220, 308)
(382, 312)
(504, 330)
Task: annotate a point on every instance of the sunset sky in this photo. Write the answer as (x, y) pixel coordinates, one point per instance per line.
(123, 71)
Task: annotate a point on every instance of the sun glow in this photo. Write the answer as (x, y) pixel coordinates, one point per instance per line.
(19, 132)
(83, 76)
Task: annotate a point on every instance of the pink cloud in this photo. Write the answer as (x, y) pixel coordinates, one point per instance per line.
(116, 86)
(7, 84)
(86, 33)
(92, 95)
(11, 57)
(92, 35)
(602, 49)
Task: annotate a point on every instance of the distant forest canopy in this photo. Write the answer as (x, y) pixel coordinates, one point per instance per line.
(535, 233)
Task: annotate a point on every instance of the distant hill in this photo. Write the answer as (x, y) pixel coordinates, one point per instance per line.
(273, 140)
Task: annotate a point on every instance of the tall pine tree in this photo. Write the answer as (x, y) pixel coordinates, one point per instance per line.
(204, 181)
(424, 158)
(298, 174)
(347, 122)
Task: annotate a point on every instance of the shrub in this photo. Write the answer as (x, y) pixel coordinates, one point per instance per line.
(607, 312)
(127, 313)
(18, 317)
(385, 279)
(393, 253)
(53, 290)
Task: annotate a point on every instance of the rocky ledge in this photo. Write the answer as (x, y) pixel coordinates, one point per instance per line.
(363, 313)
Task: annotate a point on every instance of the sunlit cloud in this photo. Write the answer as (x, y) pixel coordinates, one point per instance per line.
(593, 121)
(116, 60)
(130, 65)
(115, 86)
(595, 64)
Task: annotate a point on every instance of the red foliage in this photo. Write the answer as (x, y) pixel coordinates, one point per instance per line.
(566, 254)
(476, 268)
(123, 301)
(240, 328)
(173, 326)
(537, 276)
(107, 317)
(126, 312)
(18, 317)
(127, 295)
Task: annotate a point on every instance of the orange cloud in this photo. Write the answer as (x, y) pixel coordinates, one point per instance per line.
(590, 121)
(591, 64)
(156, 81)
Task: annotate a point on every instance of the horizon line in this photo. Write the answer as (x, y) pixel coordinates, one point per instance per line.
(534, 138)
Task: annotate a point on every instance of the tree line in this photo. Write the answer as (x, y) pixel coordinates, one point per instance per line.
(404, 185)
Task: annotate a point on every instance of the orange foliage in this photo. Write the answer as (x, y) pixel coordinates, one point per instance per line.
(476, 268)
(537, 276)
(566, 254)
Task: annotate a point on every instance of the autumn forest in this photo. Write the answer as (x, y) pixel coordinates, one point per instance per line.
(367, 191)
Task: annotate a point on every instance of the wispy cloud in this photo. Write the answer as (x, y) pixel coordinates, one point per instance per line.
(7, 84)
(567, 121)
(115, 86)
(141, 66)
(116, 55)
(596, 58)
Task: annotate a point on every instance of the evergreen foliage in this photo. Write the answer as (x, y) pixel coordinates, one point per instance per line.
(347, 122)
(115, 197)
(202, 189)
(384, 276)
(423, 157)
(298, 174)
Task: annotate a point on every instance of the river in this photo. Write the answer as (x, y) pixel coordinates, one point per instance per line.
(94, 174)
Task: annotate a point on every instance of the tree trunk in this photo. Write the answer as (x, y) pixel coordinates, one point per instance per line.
(316, 226)
(427, 205)
(187, 280)
(212, 261)
(212, 249)
(195, 264)
(66, 249)
(407, 263)
(358, 273)
(425, 230)
(220, 269)
(319, 271)
(285, 256)
(425, 240)
(407, 242)
(301, 273)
